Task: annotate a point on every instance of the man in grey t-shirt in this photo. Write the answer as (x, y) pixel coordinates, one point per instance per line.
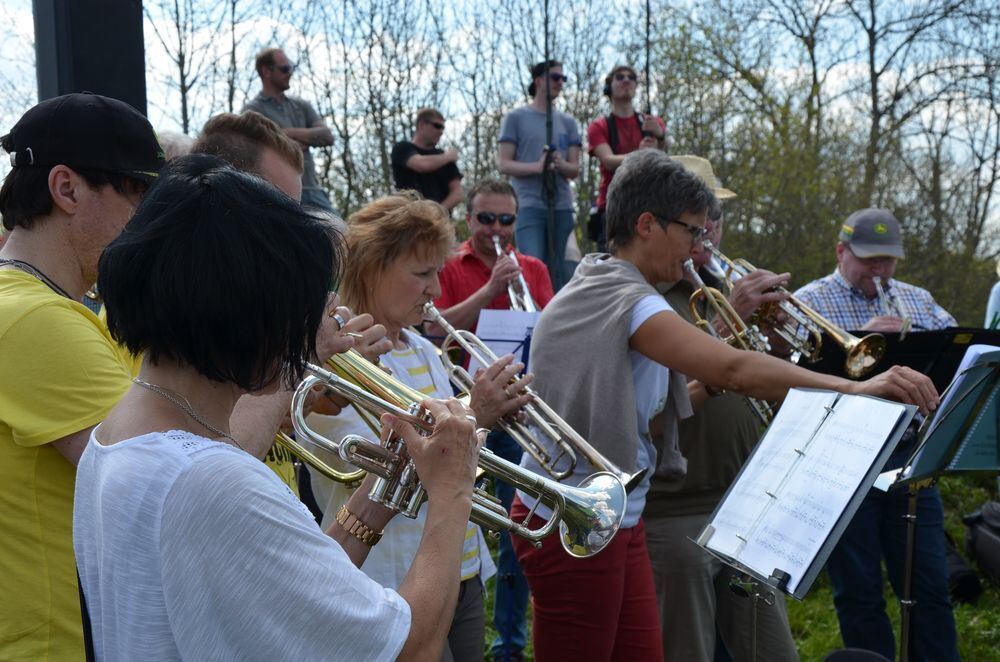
(297, 118)
(523, 156)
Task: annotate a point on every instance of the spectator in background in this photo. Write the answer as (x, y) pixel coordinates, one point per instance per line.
(524, 156)
(420, 166)
(296, 117)
(611, 137)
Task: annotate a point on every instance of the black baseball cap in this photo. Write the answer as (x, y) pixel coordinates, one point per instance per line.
(86, 130)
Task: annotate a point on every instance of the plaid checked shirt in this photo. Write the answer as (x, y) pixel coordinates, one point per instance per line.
(847, 306)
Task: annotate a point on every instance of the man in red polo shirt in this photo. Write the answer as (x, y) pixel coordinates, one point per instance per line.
(476, 278)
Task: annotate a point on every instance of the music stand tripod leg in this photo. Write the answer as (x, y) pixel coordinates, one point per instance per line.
(906, 603)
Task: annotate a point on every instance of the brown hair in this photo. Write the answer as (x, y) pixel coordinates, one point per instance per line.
(265, 58)
(428, 114)
(386, 230)
(240, 139)
(489, 186)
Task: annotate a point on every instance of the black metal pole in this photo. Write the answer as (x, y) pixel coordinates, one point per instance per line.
(906, 602)
(552, 259)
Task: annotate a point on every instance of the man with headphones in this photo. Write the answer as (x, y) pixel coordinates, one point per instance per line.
(612, 137)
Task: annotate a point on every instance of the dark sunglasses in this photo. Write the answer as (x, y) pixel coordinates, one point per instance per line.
(621, 77)
(285, 68)
(489, 218)
(559, 78)
(437, 125)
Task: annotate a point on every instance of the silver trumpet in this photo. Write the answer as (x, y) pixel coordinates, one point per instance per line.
(567, 441)
(588, 516)
(517, 288)
(892, 307)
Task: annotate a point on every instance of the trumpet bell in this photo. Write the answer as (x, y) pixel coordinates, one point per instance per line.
(864, 354)
(600, 502)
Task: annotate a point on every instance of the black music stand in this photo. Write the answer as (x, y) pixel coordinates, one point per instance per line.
(936, 354)
(775, 492)
(963, 437)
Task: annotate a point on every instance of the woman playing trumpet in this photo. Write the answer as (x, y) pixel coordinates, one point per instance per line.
(189, 547)
(397, 246)
(609, 356)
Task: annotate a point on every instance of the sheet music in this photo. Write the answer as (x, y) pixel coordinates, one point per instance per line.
(971, 354)
(974, 454)
(799, 481)
(505, 332)
(956, 389)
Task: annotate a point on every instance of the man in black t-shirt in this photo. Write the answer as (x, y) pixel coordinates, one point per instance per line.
(419, 165)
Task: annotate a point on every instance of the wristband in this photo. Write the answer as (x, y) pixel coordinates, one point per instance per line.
(354, 526)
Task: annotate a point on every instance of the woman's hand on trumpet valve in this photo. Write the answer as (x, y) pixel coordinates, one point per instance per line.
(494, 396)
(446, 460)
(902, 384)
(342, 330)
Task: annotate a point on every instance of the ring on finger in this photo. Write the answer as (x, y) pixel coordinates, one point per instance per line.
(338, 318)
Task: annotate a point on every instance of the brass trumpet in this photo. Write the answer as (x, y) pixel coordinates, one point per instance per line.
(741, 335)
(588, 516)
(862, 353)
(802, 346)
(562, 436)
(517, 288)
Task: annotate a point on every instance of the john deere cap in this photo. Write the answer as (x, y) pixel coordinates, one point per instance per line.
(873, 233)
(86, 131)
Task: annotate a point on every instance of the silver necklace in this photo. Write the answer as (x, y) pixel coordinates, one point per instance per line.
(182, 403)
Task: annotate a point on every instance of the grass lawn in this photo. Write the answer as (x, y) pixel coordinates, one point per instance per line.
(814, 622)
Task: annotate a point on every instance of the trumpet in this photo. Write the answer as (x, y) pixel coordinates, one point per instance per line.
(862, 353)
(567, 442)
(310, 454)
(588, 515)
(809, 346)
(892, 307)
(517, 288)
(742, 335)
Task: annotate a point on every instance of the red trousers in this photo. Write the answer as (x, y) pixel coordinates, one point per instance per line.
(600, 608)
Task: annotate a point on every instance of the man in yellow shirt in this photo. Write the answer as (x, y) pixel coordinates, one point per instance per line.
(81, 163)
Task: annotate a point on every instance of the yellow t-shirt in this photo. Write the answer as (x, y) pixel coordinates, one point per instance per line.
(60, 373)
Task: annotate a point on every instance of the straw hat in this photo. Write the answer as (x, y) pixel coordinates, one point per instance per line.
(703, 168)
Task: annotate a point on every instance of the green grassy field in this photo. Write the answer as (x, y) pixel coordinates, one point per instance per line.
(814, 623)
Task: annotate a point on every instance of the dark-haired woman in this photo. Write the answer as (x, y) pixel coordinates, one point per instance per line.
(189, 547)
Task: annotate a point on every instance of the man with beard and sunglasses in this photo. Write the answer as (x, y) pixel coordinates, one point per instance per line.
(296, 117)
(476, 278)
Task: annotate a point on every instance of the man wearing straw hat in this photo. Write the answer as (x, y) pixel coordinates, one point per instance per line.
(692, 586)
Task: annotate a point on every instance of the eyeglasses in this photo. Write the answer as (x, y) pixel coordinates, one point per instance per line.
(621, 77)
(489, 218)
(437, 125)
(285, 68)
(697, 233)
(559, 78)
